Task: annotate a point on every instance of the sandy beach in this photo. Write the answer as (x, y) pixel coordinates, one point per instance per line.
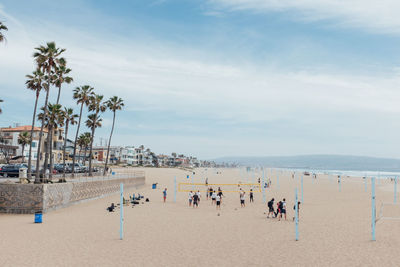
(335, 228)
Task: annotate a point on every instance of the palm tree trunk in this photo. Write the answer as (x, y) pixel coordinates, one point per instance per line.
(84, 156)
(91, 149)
(51, 158)
(58, 96)
(65, 145)
(31, 137)
(79, 154)
(76, 139)
(23, 149)
(109, 143)
(37, 178)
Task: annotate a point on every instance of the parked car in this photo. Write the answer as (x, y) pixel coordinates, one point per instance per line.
(12, 170)
(60, 168)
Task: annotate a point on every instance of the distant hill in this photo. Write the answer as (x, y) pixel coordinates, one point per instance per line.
(319, 162)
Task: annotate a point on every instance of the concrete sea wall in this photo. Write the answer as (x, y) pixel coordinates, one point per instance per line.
(29, 198)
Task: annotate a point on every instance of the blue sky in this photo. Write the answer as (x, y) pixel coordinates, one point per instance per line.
(221, 77)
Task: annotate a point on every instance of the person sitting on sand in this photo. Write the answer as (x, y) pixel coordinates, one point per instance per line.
(242, 199)
(218, 202)
(271, 208)
(165, 194)
(213, 197)
(190, 198)
(111, 208)
(251, 195)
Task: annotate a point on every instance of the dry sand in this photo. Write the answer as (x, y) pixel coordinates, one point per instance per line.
(335, 229)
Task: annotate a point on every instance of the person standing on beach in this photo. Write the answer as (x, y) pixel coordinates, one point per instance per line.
(242, 198)
(190, 198)
(271, 208)
(251, 195)
(195, 201)
(165, 194)
(278, 209)
(210, 192)
(218, 202)
(220, 193)
(298, 210)
(198, 195)
(213, 197)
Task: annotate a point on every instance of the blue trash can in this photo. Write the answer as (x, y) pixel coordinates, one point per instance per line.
(154, 186)
(38, 217)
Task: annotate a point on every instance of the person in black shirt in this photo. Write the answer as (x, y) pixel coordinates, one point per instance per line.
(271, 208)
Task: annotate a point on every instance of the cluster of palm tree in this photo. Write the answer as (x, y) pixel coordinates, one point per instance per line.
(52, 71)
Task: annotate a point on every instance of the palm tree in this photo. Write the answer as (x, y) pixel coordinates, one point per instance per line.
(94, 121)
(34, 83)
(2, 28)
(24, 139)
(47, 59)
(53, 121)
(60, 77)
(82, 95)
(69, 118)
(1, 101)
(114, 103)
(84, 142)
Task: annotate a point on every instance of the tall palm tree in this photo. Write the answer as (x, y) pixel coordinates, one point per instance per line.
(94, 121)
(114, 103)
(82, 95)
(24, 139)
(60, 77)
(47, 58)
(53, 121)
(2, 28)
(69, 118)
(33, 83)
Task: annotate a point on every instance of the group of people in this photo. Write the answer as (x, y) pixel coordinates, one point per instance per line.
(242, 196)
(280, 209)
(194, 198)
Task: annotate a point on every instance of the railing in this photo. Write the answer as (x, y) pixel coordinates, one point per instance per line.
(98, 176)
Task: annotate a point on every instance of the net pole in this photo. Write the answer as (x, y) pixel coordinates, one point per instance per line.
(174, 188)
(340, 183)
(296, 214)
(373, 215)
(395, 190)
(277, 180)
(263, 186)
(365, 183)
(121, 217)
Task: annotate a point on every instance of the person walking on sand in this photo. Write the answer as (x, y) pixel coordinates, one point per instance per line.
(198, 194)
(195, 201)
(278, 209)
(271, 208)
(251, 195)
(218, 201)
(242, 198)
(220, 193)
(165, 194)
(190, 198)
(213, 197)
(283, 209)
(210, 192)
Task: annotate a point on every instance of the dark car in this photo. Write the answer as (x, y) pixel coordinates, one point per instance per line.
(12, 170)
(60, 168)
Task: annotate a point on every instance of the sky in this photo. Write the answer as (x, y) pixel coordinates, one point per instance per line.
(218, 78)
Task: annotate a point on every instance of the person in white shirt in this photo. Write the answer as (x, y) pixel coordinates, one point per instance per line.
(190, 198)
(214, 197)
(198, 194)
(242, 199)
(218, 201)
(283, 209)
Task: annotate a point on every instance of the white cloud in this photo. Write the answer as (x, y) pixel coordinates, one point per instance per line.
(374, 15)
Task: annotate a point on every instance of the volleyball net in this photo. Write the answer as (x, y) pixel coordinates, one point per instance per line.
(229, 188)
